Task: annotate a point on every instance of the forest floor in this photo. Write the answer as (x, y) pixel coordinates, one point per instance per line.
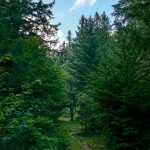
(77, 139)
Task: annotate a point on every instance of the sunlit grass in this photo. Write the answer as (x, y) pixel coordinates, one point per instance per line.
(66, 126)
(73, 133)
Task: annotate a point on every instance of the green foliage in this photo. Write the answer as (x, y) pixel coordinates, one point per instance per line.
(83, 52)
(107, 74)
(85, 110)
(31, 84)
(111, 75)
(31, 104)
(91, 42)
(28, 18)
(120, 88)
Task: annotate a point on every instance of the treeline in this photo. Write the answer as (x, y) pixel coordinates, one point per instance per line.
(31, 84)
(103, 73)
(108, 68)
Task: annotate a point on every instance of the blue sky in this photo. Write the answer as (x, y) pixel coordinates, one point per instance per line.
(68, 12)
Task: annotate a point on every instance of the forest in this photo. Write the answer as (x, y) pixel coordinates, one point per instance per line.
(91, 93)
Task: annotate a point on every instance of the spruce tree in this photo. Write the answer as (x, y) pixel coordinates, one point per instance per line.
(121, 83)
(31, 84)
(83, 52)
(29, 18)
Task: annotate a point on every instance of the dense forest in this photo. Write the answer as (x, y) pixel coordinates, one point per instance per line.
(100, 78)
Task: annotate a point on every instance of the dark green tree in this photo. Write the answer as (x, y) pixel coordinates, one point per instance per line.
(31, 84)
(121, 83)
(120, 87)
(93, 39)
(83, 52)
(28, 18)
(34, 100)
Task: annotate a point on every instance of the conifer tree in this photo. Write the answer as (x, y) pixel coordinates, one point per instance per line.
(83, 51)
(121, 83)
(31, 84)
(29, 18)
(92, 36)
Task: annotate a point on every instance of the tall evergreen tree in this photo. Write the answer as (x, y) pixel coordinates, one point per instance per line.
(121, 83)
(31, 85)
(83, 51)
(92, 36)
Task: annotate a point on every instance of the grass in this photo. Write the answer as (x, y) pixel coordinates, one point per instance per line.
(93, 142)
(77, 140)
(66, 126)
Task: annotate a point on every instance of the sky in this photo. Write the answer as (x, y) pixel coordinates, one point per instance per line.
(68, 13)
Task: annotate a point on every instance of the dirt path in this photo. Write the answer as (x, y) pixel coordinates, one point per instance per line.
(73, 133)
(83, 144)
(73, 129)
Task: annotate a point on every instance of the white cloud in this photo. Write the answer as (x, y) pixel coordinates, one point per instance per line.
(79, 3)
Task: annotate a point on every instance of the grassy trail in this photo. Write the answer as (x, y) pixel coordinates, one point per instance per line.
(77, 141)
(66, 127)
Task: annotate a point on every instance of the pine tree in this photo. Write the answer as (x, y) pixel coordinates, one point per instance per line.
(29, 18)
(121, 83)
(83, 52)
(103, 34)
(92, 40)
(31, 84)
